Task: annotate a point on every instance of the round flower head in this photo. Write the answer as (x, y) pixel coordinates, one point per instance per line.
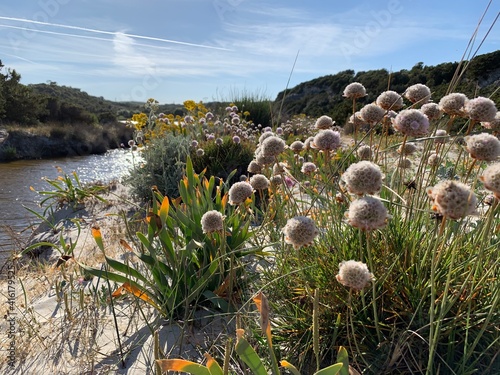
(411, 122)
(418, 93)
(481, 109)
(239, 192)
(491, 179)
(259, 182)
(356, 119)
(262, 159)
(279, 168)
(307, 143)
(363, 177)
(264, 136)
(367, 213)
(212, 221)
(493, 124)
(219, 141)
(453, 104)
(300, 231)
(243, 178)
(276, 180)
(433, 160)
(431, 110)
(200, 152)
(390, 100)
(273, 146)
(404, 163)
(408, 149)
(364, 152)
(452, 199)
(372, 114)
(308, 167)
(324, 122)
(194, 143)
(254, 167)
(297, 146)
(354, 274)
(236, 139)
(355, 90)
(440, 135)
(326, 140)
(483, 146)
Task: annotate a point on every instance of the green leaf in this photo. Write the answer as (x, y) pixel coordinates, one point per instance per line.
(126, 269)
(332, 370)
(343, 358)
(213, 366)
(182, 365)
(250, 357)
(290, 367)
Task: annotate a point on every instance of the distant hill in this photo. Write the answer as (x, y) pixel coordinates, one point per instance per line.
(323, 95)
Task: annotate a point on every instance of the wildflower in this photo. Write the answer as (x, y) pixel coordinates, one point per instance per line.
(219, 141)
(433, 160)
(363, 177)
(493, 124)
(491, 179)
(453, 104)
(483, 146)
(259, 182)
(239, 192)
(411, 122)
(131, 143)
(307, 143)
(188, 119)
(209, 116)
(354, 274)
(200, 152)
(355, 90)
(452, 199)
(418, 93)
(440, 136)
(408, 149)
(364, 152)
(236, 139)
(210, 137)
(390, 100)
(372, 114)
(234, 108)
(212, 221)
(254, 167)
(481, 109)
(262, 159)
(279, 168)
(297, 146)
(404, 163)
(290, 182)
(308, 168)
(276, 180)
(264, 136)
(326, 140)
(243, 178)
(367, 213)
(356, 119)
(300, 231)
(431, 110)
(279, 131)
(324, 122)
(194, 143)
(273, 146)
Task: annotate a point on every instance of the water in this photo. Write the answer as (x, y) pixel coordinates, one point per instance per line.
(17, 177)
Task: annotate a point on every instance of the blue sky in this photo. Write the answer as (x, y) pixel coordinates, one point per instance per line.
(174, 50)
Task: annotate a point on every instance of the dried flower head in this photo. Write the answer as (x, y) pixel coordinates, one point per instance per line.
(493, 124)
(259, 182)
(453, 104)
(433, 160)
(279, 168)
(300, 231)
(483, 146)
(324, 122)
(367, 213)
(372, 114)
(364, 152)
(308, 167)
(491, 179)
(297, 146)
(407, 149)
(418, 93)
(254, 167)
(276, 180)
(440, 136)
(326, 140)
(363, 177)
(390, 100)
(452, 199)
(411, 122)
(355, 90)
(265, 135)
(212, 221)
(431, 110)
(273, 146)
(263, 160)
(239, 192)
(404, 163)
(354, 274)
(481, 109)
(356, 119)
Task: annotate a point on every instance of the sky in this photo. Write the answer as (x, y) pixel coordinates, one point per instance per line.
(206, 50)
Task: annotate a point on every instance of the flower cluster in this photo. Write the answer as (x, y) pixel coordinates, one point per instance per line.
(372, 114)
(363, 177)
(354, 274)
(367, 213)
(483, 146)
(212, 221)
(259, 182)
(491, 179)
(326, 140)
(300, 231)
(453, 104)
(452, 199)
(411, 122)
(239, 192)
(355, 90)
(481, 109)
(418, 93)
(324, 122)
(390, 100)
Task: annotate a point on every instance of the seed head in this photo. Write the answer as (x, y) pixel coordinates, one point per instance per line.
(367, 213)
(481, 109)
(453, 104)
(259, 182)
(300, 231)
(390, 100)
(433, 160)
(452, 199)
(483, 146)
(491, 179)
(418, 93)
(354, 274)
(355, 90)
(363, 177)
(239, 192)
(324, 122)
(326, 140)
(372, 114)
(212, 221)
(411, 122)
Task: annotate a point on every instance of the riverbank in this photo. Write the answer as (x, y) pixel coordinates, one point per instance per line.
(61, 140)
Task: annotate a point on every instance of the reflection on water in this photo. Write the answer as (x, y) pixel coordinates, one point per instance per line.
(17, 177)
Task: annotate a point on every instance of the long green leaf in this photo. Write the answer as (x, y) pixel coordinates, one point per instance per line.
(250, 357)
(332, 370)
(343, 358)
(126, 269)
(182, 365)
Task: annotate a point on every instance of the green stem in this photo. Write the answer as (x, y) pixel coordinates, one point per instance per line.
(374, 294)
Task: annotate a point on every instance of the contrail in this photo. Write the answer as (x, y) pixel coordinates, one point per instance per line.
(112, 33)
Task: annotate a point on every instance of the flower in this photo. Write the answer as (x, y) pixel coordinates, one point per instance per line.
(200, 152)
(300, 231)
(411, 122)
(367, 213)
(433, 160)
(363, 177)
(297, 146)
(254, 167)
(279, 130)
(364, 152)
(308, 167)
(262, 159)
(408, 149)
(491, 179)
(481, 109)
(372, 114)
(356, 119)
(453, 104)
(219, 141)
(236, 139)
(431, 110)
(279, 168)
(493, 124)
(326, 140)
(273, 146)
(452, 199)
(259, 182)
(483, 146)
(212, 221)
(355, 90)
(418, 93)
(239, 192)
(354, 274)
(404, 163)
(440, 136)
(265, 135)
(390, 100)
(324, 122)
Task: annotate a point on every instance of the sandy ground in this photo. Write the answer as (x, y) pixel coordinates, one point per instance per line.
(57, 323)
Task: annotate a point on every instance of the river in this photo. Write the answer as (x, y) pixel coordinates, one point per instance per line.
(17, 177)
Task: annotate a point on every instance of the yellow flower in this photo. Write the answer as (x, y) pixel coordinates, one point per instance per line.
(190, 105)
